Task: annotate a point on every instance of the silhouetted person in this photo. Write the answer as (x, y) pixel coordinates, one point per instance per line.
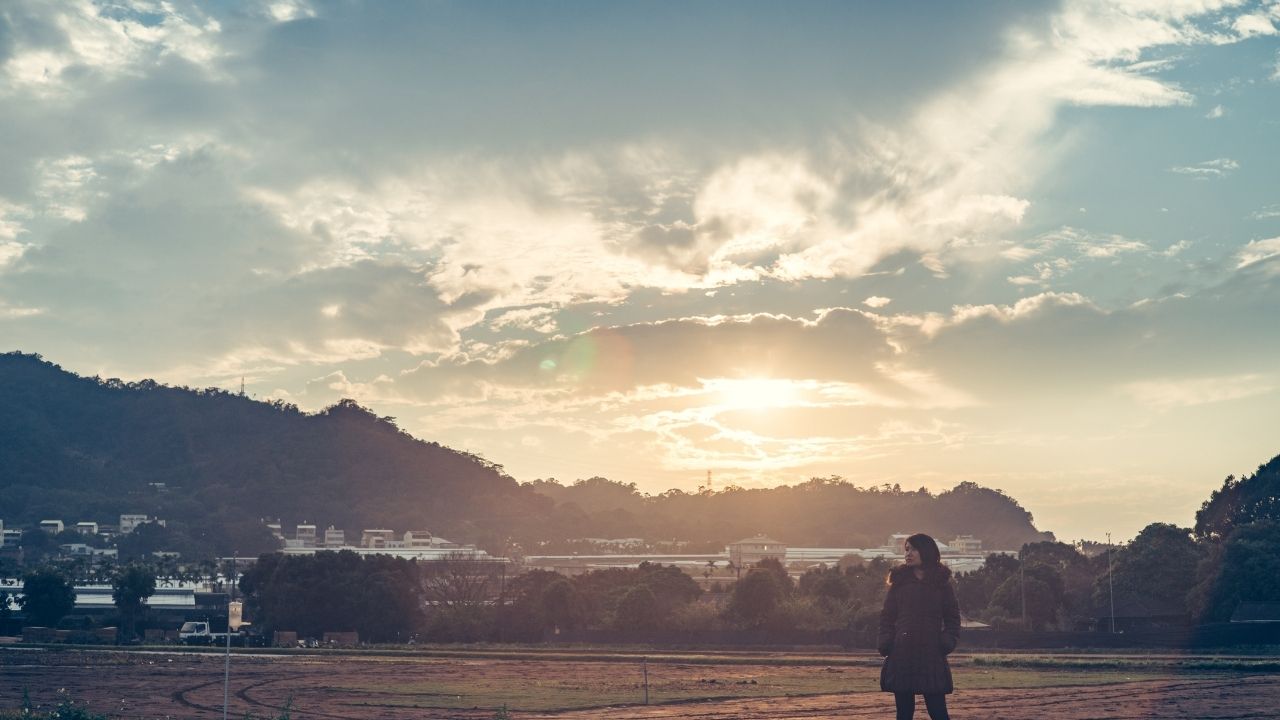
(919, 627)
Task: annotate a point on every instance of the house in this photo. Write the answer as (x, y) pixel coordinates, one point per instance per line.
(305, 535)
(896, 543)
(752, 550)
(417, 538)
(377, 538)
(87, 528)
(1138, 612)
(53, 527)
(966, 545)
(130, 522)
(276, 531)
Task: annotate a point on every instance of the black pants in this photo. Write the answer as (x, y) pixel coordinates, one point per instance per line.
(935, 703)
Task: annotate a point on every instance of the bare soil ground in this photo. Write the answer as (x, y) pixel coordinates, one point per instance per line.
(705, 686)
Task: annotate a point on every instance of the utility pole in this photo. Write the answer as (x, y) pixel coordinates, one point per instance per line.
(1022, 580)
(226, 667)
(1111, 586)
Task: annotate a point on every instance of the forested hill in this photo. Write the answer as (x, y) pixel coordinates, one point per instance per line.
(823, 512)
(80, 448)
(87, 449)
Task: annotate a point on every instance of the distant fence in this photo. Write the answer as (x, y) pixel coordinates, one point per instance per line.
(1201, 636)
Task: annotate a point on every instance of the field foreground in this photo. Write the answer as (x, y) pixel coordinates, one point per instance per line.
(147, 684)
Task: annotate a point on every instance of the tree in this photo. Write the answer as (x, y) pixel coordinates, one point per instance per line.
(755, 598)
(147, 538)
(46, 597)
(130, 588)
(1245, 566)
(779, 571)
(975, 590)
(1241, 501)
(561, 605)
(1043, 591)
(459, 580)
(638, 610)
(1078, 575)
(1159, 563)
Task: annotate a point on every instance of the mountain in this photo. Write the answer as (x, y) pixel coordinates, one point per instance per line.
(89, 449)
(80, 448)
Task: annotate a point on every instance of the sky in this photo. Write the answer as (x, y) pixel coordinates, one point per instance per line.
(1031, 245)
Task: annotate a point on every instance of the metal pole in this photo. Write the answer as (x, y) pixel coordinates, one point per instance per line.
(1111, 586)
(226, 665)
(645, 662)
(1022, 580)
(226, 677)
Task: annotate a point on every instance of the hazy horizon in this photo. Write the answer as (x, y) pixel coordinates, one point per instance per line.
(1031, 245)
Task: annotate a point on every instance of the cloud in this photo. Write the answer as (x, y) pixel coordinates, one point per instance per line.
(1216, 112)
(1077, 245)
(1217, 168)
(876, 302)
(537, 319)
(1254, 25)
(1266, 213)
(78, 38)
(1258, 251)
(1188, 392)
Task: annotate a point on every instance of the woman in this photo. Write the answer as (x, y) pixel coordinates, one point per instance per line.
(919, 627)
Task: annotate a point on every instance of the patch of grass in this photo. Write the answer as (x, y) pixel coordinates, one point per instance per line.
(1151, 663)
(569, 690)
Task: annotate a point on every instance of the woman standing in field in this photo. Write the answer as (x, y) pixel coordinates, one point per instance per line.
(919, 627)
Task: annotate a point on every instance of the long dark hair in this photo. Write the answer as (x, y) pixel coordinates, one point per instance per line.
(930, 556)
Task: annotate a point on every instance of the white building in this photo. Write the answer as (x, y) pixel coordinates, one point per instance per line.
(129, 523)
(87, 528)
(334, 538)
(417, 538)
(377, 538)
(966, 545)
(306, 535)
(51, 526)
(754, 549)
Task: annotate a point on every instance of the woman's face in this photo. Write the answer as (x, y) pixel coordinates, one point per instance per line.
(913, 555)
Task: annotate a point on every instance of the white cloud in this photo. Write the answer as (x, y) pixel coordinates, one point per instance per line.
(1021, 309)
(1266, 213)
(8, 312)
(12, 216)
(538, 319)
(1216, 112)
(288, 10)
(111, 39)
(62, 186)
(1256, 24)
(1217, 168)
(1187, 392)
(1258, 250)
(876, 301)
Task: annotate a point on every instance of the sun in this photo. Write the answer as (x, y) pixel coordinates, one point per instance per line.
(753, 393)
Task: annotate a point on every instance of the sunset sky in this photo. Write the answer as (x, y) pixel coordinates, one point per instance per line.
(1031, 245)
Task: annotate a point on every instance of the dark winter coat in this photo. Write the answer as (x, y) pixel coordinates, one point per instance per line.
(919, 627)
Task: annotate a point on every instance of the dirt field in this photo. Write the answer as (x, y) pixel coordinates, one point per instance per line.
(160, 684)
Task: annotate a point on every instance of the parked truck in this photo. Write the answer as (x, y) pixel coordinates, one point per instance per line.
(200, 632)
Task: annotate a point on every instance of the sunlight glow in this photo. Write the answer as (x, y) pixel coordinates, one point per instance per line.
(753, 393)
